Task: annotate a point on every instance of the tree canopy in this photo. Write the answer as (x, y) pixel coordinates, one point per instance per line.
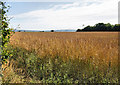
(101, 27)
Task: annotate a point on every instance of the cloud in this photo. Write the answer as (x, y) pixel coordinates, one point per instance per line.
(70, 16)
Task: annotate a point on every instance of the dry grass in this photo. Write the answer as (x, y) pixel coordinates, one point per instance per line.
(94, 54)
(101, 47)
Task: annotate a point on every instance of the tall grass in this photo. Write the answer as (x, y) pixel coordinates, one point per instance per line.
(100, 46)
(65, 57)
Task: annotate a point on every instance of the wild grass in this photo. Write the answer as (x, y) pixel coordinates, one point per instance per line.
(53, 57)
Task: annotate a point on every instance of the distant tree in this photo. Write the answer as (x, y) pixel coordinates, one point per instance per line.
(88, 28)
(101, 27)
(78, 30)
(116, 27)
(108, 27)
(52, 30)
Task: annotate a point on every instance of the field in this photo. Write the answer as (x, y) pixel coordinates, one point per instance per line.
(63, 57)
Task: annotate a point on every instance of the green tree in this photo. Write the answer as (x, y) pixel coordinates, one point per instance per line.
(117, 27)
(78, 30)
(101, 27)
(52, 30)
(88, 28)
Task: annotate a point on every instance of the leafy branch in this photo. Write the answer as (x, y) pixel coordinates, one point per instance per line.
(5, 31)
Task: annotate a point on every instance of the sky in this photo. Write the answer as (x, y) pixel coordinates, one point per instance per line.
(59, 14)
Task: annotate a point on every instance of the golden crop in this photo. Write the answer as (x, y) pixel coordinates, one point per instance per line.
(100, 47)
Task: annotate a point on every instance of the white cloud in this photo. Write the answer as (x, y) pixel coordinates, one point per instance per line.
(70, 16)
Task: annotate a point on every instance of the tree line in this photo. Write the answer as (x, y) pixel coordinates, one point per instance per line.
(101, 27)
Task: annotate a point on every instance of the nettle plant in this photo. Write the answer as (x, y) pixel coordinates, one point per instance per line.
(5, 32)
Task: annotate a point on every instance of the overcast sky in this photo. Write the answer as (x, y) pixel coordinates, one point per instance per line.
(70, 14)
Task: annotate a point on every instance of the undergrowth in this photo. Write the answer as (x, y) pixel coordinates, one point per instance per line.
(33, 69)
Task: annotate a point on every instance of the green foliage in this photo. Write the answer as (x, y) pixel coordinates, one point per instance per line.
(101, 27)
(52, 30)
(6, 32)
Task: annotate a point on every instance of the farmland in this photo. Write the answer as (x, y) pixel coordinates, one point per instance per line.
(64, 57)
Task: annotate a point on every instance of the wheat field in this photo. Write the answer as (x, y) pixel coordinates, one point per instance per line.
(63, 57)
(100, 46)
